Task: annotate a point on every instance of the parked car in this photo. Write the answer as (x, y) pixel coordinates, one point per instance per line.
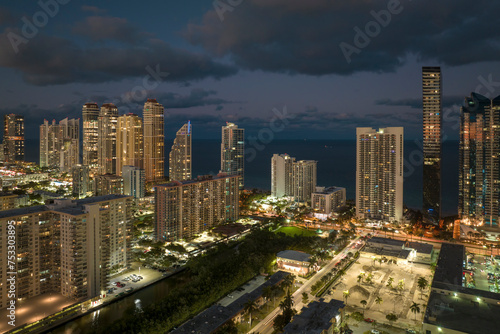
(369, 320)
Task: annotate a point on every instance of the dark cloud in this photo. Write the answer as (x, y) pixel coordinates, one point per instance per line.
(103, 28)
(50, 60)
(6, 17)
(296, 36)
(196, 98)
(93, 9)
(447, 101)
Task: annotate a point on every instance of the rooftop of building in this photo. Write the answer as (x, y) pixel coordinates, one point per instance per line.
(386, 241)
(216, 315)
(450, 264)
(315, 317)
(327, 190)
(420, 247)
(75, 208)
(294, 255)
(462, 315)
(397, 253)
(200, 178)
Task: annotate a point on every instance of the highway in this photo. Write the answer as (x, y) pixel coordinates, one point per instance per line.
(266, 325)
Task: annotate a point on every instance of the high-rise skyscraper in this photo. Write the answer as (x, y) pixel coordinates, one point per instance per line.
(80, 174)
(134, 181)
(90, 116)
(13, 138)
(379, 173)
(281, 175)
(154, 140)
(186, 208)
(304, 180)
(60, 144)
(106, 140)
(180, 156)
(129, 142)
(233, 151)
(479, 164)
(67, 247)
(432, 135)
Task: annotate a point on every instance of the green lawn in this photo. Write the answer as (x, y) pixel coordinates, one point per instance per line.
(292, 230)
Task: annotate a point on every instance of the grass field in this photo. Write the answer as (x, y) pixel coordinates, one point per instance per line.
(291, 230)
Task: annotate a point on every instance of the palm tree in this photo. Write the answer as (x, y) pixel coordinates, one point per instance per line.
(275, 291)
(346, 295)
(415, 308)
(288, 281)
(305, 297)
(422, 284)
(267, 292)
(361, 276)
(363, 303)
(249, 307)
(389, 282)
(378, 300)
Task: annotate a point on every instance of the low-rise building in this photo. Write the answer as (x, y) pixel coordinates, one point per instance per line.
(328, 200)
(210, 320)
(319, 317)
(453, 307)
(417, 252)
(294, 262)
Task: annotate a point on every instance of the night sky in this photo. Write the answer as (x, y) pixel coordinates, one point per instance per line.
(239, 61)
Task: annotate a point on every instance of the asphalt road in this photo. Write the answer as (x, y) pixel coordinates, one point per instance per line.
(266, 325)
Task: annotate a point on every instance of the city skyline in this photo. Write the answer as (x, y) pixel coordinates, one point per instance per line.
(208, 91)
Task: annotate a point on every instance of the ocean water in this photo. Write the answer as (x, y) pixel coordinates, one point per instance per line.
(336, 165)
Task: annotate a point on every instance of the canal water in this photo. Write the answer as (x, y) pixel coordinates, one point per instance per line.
(105, 316)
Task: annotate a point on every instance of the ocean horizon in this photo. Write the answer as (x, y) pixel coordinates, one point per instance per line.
(336, 165)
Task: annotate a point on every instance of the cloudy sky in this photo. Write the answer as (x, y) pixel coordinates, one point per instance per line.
(332, 64)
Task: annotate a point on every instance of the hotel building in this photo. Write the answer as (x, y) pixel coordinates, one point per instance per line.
(379, 173)
(180, 156)
(90, 116)
(60, 144)
(233, 151)
(184, 209)
(13, 138)
(479, 174)
(134, 181)
(66, 247)
(129, 142)
(328, 200)
(106, 140)
(282, 175)
(432, 137)
(154, 140)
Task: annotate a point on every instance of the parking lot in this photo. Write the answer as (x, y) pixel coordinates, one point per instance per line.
(148, 276)
(393, 301)
(483, 273)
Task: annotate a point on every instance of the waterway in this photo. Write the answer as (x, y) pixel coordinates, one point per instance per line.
(105, 316)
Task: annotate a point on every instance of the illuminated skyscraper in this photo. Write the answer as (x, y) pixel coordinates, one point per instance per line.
(129, 142)
(13, 138)
(60, 144)
(180, 155)
(81, 182)
(379, 173)
(303, 180)
(154, 140)
(233, 151)
(106, 140)
(479, 176)
(282, 175)
(432, 135)
(185, 209)
(90, 116)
